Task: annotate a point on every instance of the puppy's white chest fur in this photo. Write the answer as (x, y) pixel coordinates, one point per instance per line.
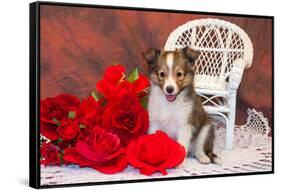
(170, 117)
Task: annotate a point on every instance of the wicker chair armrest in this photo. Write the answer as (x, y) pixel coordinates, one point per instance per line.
(236, 73)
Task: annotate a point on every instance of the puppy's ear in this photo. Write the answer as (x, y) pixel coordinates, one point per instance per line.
(191, 54)
(151, 55)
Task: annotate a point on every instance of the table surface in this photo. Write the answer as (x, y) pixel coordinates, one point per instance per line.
(251, 153)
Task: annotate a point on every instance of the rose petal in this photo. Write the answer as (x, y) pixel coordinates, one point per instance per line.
(140, 86)
(49, 131)
(71, 101)
(113, 74)
(113, 166)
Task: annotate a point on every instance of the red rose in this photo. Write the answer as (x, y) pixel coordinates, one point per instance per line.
(107, 89)
(71, 102)
(89, 113)
(58, 107)
(100, 150)
(112, 77)
(113, 74)
(126, 117)
(49, 131)
(68, 129)
(155, 152)
(139, 87)
(51, 109)
(50, 154)
(114, 81)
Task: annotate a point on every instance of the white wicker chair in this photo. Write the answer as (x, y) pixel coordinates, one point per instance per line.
(225, 51)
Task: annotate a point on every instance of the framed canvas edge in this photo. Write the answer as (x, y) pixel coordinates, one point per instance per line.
(34, 93)
(155, 179)
(272, 102)
(152, 9)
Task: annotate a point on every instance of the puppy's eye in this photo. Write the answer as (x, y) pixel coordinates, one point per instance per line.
(179, 74)
(161, 74)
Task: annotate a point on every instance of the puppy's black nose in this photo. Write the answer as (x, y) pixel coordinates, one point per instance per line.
(169, 89)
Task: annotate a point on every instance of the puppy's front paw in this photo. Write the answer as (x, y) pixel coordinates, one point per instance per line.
(203, 159)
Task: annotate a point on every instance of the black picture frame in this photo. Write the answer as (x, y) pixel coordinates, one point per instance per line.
(34, 92)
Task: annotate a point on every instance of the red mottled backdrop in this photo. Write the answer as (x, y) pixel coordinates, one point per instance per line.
(78, 43)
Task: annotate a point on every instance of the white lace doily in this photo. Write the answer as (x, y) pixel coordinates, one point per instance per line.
(251, 153)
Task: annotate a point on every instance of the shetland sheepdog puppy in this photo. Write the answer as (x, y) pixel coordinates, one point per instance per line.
(173, 104)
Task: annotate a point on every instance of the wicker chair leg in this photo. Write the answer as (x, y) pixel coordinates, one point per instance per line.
(231, 120)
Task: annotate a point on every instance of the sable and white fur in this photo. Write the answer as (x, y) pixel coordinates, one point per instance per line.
(173, 104)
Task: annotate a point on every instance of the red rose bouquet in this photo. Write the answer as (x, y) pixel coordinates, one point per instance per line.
(106, 131)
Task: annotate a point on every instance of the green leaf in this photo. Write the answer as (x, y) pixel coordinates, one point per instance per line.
(96, 96)
(82, 126)
(103, 103)
(71, 114)
(133, 76)
(144, 102)
(59, 139)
